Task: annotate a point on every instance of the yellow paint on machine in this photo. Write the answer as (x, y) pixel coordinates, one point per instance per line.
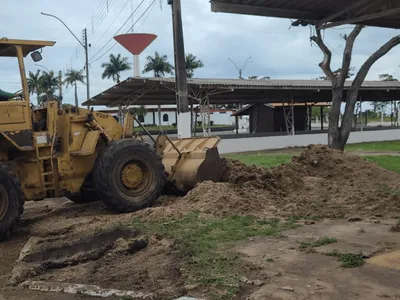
(389, 260)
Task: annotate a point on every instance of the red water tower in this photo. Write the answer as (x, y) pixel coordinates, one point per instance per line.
(135, 43)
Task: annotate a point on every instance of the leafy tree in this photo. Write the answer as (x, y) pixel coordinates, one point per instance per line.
(48, 84)
(139, 111)
(72, 78)
(387, 77)
(34, 84)
(159, 65)
(192, 63)
(114, 67)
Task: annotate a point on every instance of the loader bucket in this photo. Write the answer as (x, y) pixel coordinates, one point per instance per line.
(190, 161)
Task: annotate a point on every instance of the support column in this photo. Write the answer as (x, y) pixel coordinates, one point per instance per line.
(237, 124)
(322, 117)
(154, 117)
(191, 118)
(136, 66)
(361, 119)
(159, 116)
(182, 100)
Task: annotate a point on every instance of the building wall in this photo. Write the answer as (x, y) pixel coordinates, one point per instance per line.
(167, 118)
(236, 145)
(222, 118)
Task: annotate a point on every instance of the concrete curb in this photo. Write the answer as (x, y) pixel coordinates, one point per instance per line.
(89, 290)
(83, 289)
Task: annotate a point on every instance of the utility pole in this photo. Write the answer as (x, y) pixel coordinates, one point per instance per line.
(182, 99)
(86, 46)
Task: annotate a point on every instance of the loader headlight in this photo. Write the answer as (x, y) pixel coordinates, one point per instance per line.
(36, 56)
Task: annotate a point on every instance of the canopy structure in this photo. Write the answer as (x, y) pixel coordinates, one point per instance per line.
(323, 13)
(4, 96)
(161, 91)
(7, 46)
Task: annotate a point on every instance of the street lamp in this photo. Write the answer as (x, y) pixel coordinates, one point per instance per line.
(242, 68)
(84, 45)
(43, 67)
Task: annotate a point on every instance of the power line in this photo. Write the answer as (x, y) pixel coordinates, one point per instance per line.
(100, 20)
(126, 21)
(148, 14)
(108, 28)
(127, 31)
(99, 8)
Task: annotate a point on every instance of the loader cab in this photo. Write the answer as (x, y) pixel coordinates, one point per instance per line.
(16, 118)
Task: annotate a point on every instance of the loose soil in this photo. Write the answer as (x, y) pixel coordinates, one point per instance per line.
(89, 244)
(319, 183)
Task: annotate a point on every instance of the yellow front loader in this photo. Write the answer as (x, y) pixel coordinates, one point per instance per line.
(85, 155)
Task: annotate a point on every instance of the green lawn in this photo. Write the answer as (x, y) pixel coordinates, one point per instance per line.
(375, 146)
(263, 159)
(388, 162)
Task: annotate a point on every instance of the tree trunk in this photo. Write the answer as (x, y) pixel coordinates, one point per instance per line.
(334, 136)
(76, 96)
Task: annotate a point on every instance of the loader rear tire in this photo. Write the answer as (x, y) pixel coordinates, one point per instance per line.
(129, 176)
(11, 201)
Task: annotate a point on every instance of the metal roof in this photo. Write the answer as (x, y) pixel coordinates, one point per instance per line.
(323, 13)
(161, 91)
(7, 46)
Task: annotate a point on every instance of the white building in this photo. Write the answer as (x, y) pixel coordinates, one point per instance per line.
(168, 116)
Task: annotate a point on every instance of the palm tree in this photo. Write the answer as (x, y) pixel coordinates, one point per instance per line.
(34, 84)
(48, 84)
(158, 64)
(72, 79)
(192, 63)
(140, 111)
(113, 68)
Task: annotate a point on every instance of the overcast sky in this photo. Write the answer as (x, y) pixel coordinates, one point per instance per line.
(276, 50)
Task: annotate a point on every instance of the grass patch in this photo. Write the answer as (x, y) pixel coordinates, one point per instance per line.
(262, 159)
(318, 243)
(207, 244)
(348, 260)
(388, 162)
(375, 146)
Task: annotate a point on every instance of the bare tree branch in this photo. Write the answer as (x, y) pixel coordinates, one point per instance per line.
(326, 63)
(360, 77)
(362, 73)
(347, 53)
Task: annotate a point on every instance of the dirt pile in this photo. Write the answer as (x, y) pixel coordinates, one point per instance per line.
(320, 182)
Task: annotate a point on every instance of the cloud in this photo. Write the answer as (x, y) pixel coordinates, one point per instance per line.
(276, 50)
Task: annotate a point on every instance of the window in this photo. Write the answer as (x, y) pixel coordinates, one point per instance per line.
(165, 118)
(141, 118)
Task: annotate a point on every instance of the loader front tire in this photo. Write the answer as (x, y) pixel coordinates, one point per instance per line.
(129, 176)
(11, 201)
